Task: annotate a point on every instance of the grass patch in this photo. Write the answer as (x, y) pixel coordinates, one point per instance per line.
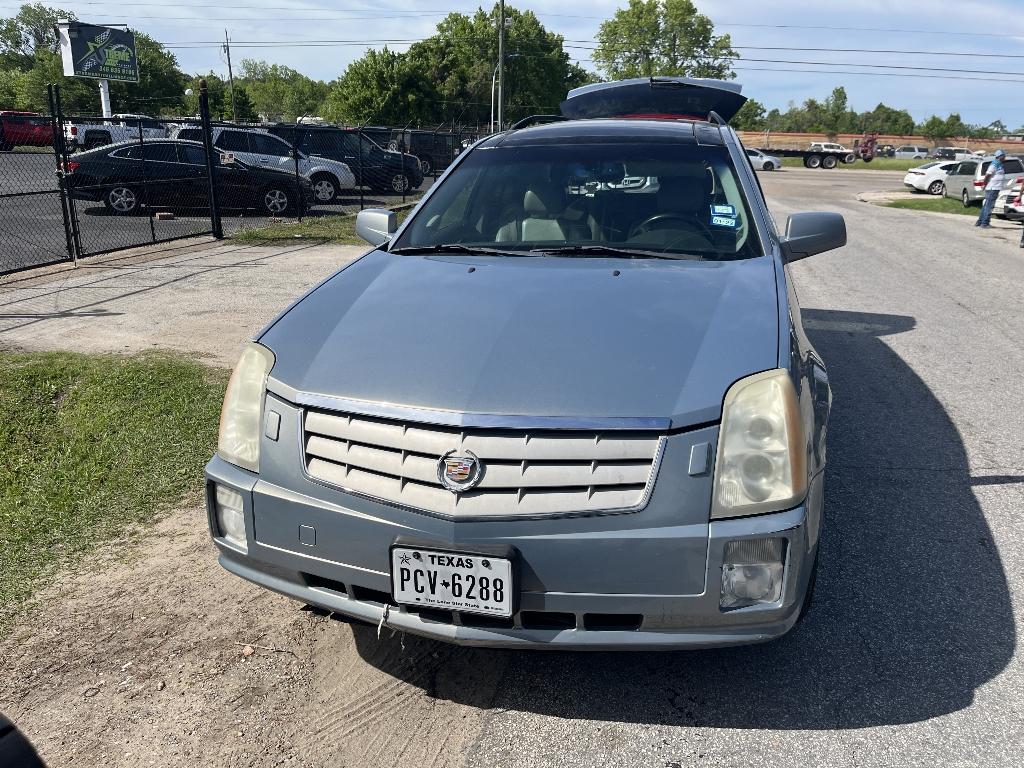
(935, 204)
(333, 229)
(91, 446)
(878, 164)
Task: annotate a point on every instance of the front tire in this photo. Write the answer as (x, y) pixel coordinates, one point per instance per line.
(400, 184)
(426, 166)
(325, 188)
(936, 188)
(122, 200)
(275, 201)
(768, 166)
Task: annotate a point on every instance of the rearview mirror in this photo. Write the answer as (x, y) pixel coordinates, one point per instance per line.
(376, 225)
(811, 233)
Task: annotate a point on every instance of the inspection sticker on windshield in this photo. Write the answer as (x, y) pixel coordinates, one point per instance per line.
(724, 221)
(454, 580)
(723, 210)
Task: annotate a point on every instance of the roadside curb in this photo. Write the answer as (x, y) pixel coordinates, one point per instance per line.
(881, 198)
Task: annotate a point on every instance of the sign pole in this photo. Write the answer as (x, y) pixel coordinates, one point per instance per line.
(105, 98)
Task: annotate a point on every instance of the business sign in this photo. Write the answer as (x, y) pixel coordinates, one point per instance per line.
(102, 53)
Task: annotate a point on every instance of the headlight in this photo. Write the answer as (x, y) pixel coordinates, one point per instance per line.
(243, 408)
(761, 464)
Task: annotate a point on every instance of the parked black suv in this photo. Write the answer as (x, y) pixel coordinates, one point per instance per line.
(436, 150)
(379, 169)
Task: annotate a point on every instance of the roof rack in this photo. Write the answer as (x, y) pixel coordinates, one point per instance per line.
(538, 120)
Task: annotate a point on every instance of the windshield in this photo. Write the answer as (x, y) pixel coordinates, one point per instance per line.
(664, 198)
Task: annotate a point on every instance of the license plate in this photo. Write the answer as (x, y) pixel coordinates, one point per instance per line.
(456, 581)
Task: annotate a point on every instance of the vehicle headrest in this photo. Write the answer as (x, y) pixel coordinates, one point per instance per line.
(682, 194)
(544, 199)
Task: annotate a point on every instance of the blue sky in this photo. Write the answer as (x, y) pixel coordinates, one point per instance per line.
(938, 26)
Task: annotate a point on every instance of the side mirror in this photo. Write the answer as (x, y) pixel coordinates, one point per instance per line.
(376, 225)
(811, 233)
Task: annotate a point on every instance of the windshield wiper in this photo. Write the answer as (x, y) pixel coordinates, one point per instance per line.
(457, 248)
(609, 251)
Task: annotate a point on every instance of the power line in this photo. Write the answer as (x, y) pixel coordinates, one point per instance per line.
(408, 41)
(832, 28)
(876, 74)
(875, 50)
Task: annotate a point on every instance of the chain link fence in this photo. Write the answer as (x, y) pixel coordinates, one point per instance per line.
(75, 186)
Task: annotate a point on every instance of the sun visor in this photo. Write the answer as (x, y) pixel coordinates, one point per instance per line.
(655, 97)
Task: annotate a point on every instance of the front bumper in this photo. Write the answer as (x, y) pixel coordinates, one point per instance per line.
(567, 619)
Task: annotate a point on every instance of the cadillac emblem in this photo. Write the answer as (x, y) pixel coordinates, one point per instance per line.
(459, 473)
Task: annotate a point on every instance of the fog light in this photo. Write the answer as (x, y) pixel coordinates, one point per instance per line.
(752, 572)
(230, 515)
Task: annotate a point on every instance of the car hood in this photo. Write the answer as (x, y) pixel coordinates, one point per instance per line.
(544, 336)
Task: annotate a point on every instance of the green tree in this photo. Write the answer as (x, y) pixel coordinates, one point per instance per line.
(10, 80)
(160, 88)
(934, 128)
(448, 76)
(29, 32)
(245, 111)
(834, 113)
(217, 91)
(460, 59)
(277, 91)
(381, 87)
(662, 37)
(955, 126)
(78, 95)
(885, 119)
(751, 117)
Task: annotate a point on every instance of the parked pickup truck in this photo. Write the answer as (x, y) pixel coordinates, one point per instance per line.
(103, 131)
(19, 129)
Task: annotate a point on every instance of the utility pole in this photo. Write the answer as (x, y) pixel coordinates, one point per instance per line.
(231, 76)
(501, 66)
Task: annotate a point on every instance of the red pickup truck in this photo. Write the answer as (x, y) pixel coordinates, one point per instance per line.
(24, 129)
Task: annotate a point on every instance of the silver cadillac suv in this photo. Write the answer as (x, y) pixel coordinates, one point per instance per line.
(569, 403)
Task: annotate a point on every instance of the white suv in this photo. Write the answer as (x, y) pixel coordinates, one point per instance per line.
(260, 148)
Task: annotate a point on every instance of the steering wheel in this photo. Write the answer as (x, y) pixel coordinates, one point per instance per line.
(645, 225)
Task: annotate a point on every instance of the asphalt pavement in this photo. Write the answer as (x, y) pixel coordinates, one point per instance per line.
(909, 656)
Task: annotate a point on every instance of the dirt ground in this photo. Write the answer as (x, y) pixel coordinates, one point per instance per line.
(165, 659)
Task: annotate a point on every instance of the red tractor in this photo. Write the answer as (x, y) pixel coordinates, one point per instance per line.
(865, 147)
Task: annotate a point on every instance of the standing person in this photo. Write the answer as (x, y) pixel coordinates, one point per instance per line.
(993, 183)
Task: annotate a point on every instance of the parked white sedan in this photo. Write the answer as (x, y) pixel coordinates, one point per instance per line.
(763, 162)
(930, 177)
(1008, 197)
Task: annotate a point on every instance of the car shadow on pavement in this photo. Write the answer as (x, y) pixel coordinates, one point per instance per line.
(912, 611)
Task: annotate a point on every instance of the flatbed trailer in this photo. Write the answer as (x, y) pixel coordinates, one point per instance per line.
(814, 158)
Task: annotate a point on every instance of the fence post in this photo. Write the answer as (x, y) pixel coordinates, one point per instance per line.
(76, 236)
(362, 171)
(60, 159)
(145, 186)
(300, 203)
(204, 117)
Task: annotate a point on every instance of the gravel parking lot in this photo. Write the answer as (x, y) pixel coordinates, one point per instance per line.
(908, 657)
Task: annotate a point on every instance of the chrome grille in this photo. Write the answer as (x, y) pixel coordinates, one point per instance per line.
(525, 473)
